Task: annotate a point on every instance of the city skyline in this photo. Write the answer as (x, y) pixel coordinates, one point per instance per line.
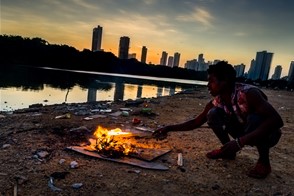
(224, 29)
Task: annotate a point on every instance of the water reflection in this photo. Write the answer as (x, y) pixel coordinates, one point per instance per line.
(23, 86)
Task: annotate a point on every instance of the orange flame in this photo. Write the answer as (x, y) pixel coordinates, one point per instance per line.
(106, 142)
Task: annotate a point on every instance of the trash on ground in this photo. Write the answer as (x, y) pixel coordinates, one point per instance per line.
(74, 164)
(64, 116)
(77, 185)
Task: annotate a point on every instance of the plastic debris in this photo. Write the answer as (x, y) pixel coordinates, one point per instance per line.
(77, 185)
(52, 186)
(42, 154)
(134, 171)
(136, 121)
(95, 110)
(144, 129)
(125, 109)
(180, 159)
(146, 110)
(88, 118)
(125, 113)
(116, 114)
(64, 116)
(106, 111)
(6, 146)
(79, 129)
(74, 164)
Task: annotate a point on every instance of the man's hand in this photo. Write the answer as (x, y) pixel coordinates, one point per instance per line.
(160, 133)
(232, 147)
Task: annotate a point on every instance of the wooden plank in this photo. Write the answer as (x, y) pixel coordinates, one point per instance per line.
(149, 154)
(146, 154)
(125, 160)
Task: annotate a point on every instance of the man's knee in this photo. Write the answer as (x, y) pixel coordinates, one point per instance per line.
(215, 116)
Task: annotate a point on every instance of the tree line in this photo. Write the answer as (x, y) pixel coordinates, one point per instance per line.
(37, 52)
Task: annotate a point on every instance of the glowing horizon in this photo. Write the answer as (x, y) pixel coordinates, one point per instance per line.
(225, 29)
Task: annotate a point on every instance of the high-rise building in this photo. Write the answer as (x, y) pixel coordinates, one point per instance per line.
(261, 68)
(277, 73)
(132, 56)
(291, 72)
(251, 69)
(202, 66)
(192, 64)
(124, 43)
(200, 59)
(144, 54)
(176, 59)
(239, 70)
(97, 38)
(163, 58)
(170, 61)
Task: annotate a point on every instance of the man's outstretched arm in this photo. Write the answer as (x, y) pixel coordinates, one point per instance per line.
(185, 126)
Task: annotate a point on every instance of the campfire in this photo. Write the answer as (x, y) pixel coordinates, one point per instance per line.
(108, 143)
(133, 147)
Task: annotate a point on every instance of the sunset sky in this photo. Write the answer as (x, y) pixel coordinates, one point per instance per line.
(232, 30)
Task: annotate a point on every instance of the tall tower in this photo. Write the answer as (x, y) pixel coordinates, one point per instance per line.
(176, 59)
(291, 72)
(262, 65)
(239, 70)
(97, 38)
(144, 54)
(200, 59)
(163, 58)
(277, 73)
(170, 61)
(251, 69)
(124, 43)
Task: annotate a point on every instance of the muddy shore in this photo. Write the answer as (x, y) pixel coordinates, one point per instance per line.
(33, 145)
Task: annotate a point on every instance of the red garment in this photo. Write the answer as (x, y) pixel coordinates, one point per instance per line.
(238, 101)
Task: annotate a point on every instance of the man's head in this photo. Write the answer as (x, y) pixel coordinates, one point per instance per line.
(221, 77)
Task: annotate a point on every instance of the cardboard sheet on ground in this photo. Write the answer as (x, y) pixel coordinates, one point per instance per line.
(145, 154)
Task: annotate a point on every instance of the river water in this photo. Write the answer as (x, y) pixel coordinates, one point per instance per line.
(22, 86)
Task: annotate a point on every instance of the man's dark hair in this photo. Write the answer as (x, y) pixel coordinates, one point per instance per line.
(223, 71)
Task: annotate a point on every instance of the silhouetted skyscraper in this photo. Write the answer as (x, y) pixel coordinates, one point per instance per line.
(277, 73)
(239, 70)
(176, 59)
(132, 56)
(291, 72)
(261, 68)
(170, 61)
(124, 43)
(192, 64)
(251, 69)
(97, 38)
(163, 58)
(200, 59)
(144, 54)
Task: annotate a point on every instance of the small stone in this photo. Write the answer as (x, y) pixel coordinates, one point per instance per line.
(6, 146)
(74, 164)
(61, 161)
(42, 154)
(77, 185)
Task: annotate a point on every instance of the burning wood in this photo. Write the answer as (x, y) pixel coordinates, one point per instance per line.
(120, 146)
(107, 145)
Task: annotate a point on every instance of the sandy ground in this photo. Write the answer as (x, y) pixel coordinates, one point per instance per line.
(25, 133)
